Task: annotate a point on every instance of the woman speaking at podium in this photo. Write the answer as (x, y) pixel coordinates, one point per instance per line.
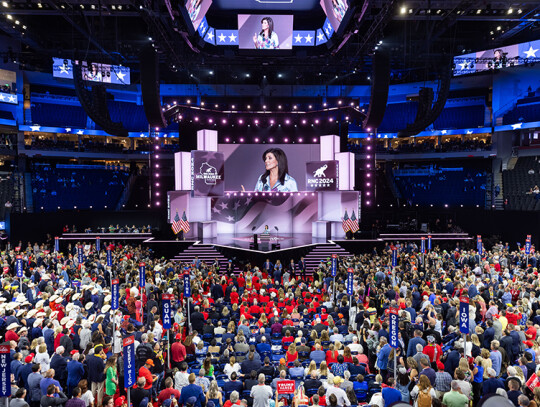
(276, 177)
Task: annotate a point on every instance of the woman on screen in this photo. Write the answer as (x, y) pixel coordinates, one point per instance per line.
(267, 38)
(338, 9)
(276, 177)
(193, 9)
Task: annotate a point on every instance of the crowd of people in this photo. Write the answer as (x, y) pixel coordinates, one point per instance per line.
(246, 333)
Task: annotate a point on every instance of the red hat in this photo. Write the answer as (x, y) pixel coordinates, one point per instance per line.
(119, 401)
(528, 343)
(440, 365)
(178, 336)
(74, 351)
(29, 358)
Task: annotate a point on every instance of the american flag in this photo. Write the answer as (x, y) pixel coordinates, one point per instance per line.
(345, 224)
(176, 226)
(354, 223)
(184, 224)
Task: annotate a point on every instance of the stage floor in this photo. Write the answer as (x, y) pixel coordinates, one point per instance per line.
(264, 244)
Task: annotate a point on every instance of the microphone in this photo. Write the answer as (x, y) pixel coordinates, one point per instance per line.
(275, 227)
(253, 228)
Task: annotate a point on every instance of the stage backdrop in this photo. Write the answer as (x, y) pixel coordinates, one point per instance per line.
(244, 163)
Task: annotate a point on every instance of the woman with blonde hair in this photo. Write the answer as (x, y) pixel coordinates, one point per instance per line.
(291, 354)
(486, 362)
(311, 368)
(43, 358)
(323, 370)
(232, 366)
(324, 336)
(412, 369)
(423, 390)
(214, 394)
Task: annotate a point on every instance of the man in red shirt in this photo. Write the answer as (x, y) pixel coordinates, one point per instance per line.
(530, 333)
(11, 335)
(168, 392)
(178, 351)
(144, 371)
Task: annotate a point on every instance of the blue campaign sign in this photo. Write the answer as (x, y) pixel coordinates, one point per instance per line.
(56, 244)
(394, 328)
(98, 243)
(464, 315)
(129, 361)
(187, 285)
(350, 280)
(479, 244)
(19, 266)
(109, 257)
(528, 245)
(166, 303)
(5, 371)
(142, 274)
(394, 257)
(423, 245)
(334, 265)
(80, 253)
(429, 242)
(115, 293)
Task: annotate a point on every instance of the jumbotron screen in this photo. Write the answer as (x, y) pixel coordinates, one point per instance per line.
(263, 31)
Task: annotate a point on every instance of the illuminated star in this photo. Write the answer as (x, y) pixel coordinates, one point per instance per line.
(223, 205)
(222, 38)
(80, 132)
(68, 129)
(516, 126)
(469, 131)
(443, 132)
(308, 38)
(298, 38)
(230, 218)
(232, 38)
(13, 99)
(2, 97)
(64, 69)
(216, 210)
(141, 135)
(531, 53)
(120, 75)
(462, 65)
(320, 37)
(210, 35)
(35, 127)
(327, 32)
(329, 26)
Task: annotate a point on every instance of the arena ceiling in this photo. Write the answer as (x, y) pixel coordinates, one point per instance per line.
(417, 34)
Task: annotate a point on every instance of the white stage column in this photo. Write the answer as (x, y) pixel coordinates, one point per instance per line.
(329, 147)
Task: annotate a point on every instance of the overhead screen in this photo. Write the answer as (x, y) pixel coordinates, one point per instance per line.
(93, 72)
(263, 5)
(496, 58)
(197, 9)
(263, 31)
(335, 11)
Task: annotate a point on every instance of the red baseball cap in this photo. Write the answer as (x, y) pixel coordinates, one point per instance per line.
(119, 401)
(178, 336)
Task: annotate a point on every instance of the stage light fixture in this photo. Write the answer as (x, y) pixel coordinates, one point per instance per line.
(241, 139)
(9, 17)
(227, 139)
(510, 10)
(287, 121)
(271, 140)
(304, 121)
(240, 121)
(316, 121)
(300, 140)
(403, 10)
(519, 11)
(188, 101)
(256, 140)
(272, 121)
(286, 140)
(310, 106)
(210, 120)
(202, 103)
(256, 121)
(264, 107)
(314, 140)
(196, 119)
(224, 121)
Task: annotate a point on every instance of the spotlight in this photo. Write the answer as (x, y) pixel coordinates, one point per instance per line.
(403, 10)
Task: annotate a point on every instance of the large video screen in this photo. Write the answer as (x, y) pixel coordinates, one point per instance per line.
(263, 5)
(335, 10)
(245, 167)
(94, 72)
(264, 31)
(511, 55)
(197, 9)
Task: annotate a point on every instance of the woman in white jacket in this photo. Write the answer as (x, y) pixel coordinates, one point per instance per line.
(42, 357)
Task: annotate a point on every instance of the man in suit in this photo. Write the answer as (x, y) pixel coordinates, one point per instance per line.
(233, 385)
(59, 364)
(96, 375)
(302, 267)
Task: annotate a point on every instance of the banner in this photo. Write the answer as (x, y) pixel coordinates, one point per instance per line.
(187, 285)
(207, 173)
(80, 254)
(56, 244)
(285, 386)
(394, 257)
(429, 242)
(350, 281)
(5, 371)
(19, 266)
(334, 265)
(98, 243)
(479, 244)
(129, 361)
(166, 303)
(142, 274)
(322, 176)
(528, 245)
(109, 257)
(423, 245)
(464, 315)
(115, 295)
(394, 328)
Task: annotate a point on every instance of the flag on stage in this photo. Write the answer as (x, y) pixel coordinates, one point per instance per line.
(354, 223)
(176, 226)
(184, 224)
(345, 224)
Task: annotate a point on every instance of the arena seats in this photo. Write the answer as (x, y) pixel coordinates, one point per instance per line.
(47, 114)
(83, 187)
(519, 183)
(523, 113)
(452, 186)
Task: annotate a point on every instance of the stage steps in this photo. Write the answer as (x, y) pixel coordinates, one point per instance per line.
(323, 252)
(208, 253)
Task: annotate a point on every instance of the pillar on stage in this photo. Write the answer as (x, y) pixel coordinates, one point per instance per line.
(207, 140)
(345, 171)
(182, 171)
(329, 147)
